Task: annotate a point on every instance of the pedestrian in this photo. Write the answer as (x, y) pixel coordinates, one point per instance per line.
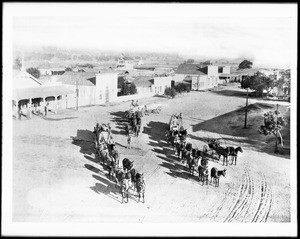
(129, 139)
(46, 108)
(19, 112)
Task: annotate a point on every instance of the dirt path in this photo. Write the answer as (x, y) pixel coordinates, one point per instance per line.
(57, 178)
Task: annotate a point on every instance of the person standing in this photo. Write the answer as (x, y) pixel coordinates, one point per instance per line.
(46, 108)
(19, 112)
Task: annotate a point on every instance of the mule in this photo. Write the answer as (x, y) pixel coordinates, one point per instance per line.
(223, 152)
(127, 164)
(233, 152)
(213, 144)
(203, 174)
(215, 175)
(125, 185)
(140, 187)
(191, 164)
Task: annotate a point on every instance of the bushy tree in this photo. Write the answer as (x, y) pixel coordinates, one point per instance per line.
(128, 89)
(34, 72)
(273, 123)
(284, 80)
(170, 92)
(190, 61)
(245, 64)
(68, 69)
(133, 89)
(181, 87)
(258, 82)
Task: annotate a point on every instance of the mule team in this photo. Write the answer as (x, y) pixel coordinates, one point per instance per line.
(125, 177)
(194, 158)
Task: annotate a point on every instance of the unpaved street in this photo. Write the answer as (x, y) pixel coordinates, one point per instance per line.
(56, 177)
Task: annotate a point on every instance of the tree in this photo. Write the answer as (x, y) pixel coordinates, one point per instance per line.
(181, 87)
(273, 123)
(34, 72)
(245, 64)
(258, 82)
(190, 61)
(170, 92)
(133, 89)
(284, 81)
(17, 64)
(68, 69)
(128, 89)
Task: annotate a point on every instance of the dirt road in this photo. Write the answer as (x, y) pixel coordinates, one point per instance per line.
(56, 177)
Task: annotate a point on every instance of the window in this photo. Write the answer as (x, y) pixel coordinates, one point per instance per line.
(160, 89)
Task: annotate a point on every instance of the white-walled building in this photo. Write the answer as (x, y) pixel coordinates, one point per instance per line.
(200, 77)
(106, 87)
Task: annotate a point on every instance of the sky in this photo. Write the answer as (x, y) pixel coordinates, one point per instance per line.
(263, 33)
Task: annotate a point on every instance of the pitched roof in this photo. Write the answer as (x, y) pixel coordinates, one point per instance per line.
(83, 78)
(143, 81)
(192, 69)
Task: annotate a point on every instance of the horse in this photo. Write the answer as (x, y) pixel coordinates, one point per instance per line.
(112, 169)
(215, 175)
(127, 164)
(191, 164)
(213, 144)
(140, 186)
(102, 152)
(119, 176)
(223, 152)
(125, 189)
(172, 139)
(133, 172)
(233, 152)
(204, 162)
(203, 174)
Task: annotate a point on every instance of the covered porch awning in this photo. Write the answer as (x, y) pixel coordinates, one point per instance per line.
(40, 92)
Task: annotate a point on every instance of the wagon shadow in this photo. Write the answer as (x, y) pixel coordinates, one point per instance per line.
(119, 118)
(85, 140)
(107, 188)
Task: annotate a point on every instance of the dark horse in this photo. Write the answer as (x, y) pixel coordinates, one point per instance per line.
(233, 152)
(123, 183)
(215, 175)
(191, 163)
(127, 164)
(223, 152)
(213, 144)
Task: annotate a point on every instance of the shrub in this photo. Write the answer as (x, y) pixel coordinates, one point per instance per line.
(170, 92)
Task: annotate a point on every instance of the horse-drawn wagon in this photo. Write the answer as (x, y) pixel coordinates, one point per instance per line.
(134, 116)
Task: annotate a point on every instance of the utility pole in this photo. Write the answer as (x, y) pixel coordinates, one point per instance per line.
(77, 94)
(246, 111)
(276, 145)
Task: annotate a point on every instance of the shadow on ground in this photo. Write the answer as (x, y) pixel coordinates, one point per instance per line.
(232, 125)
(85, 140)
(119, 118)
(177, 168)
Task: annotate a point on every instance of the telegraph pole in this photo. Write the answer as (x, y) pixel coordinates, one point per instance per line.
(246, 111)
(77, 94)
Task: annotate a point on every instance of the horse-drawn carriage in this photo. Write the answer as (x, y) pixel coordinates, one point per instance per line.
(134, 116)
